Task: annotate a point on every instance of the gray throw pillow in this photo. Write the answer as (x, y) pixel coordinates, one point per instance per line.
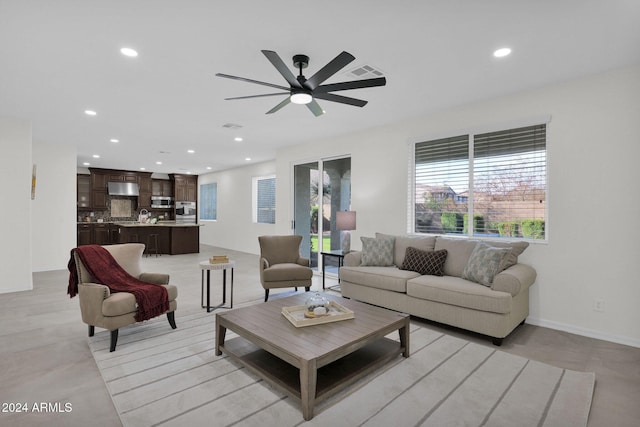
(377, 252)
(516, 248)
(484, 263)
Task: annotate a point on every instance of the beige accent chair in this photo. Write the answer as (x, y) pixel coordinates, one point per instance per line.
(99, 307)
(281, 265)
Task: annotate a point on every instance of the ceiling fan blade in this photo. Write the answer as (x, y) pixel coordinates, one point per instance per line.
(286, 101)
(341, 99)
(358, 84)
(315, 108)
(277, 62)
(227, 76)
(335, 65)
(257, 96)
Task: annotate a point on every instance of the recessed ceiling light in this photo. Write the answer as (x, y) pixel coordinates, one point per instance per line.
(209, 167)
(143, 169)
(191, 151)
(96, 156)
(127, 51)
(90, 112)
(87, 164)
(158, 163)
(188, 173)
(115, 141)
(500, 53)
(247, 159)
(237, 139)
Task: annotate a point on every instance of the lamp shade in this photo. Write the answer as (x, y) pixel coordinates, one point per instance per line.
(346, 220)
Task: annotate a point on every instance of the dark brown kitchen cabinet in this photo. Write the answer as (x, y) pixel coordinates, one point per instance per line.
(101, 234)
(83, 191)
(99, 180)
(99, 199)
(99, 184)
(186, 187)
(114, 234)
(122, 176)
(144, 188)
(162, 187)
(85, 234)
(185, 240)
(96, 233)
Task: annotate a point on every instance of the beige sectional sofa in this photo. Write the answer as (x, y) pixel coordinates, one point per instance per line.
(494, 309)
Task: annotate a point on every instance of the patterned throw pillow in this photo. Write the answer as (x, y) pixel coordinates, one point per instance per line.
(378, 252)
(484, 263)
(424, 262)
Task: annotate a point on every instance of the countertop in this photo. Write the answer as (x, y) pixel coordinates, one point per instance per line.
(137, 224)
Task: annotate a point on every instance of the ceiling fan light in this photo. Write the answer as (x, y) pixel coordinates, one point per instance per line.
(301, 98)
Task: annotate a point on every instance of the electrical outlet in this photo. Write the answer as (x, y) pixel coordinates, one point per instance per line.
(598, 304)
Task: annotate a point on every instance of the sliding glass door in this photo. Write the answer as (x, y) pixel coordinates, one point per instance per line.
(321, 188)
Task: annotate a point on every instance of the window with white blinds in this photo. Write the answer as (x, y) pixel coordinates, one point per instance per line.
(209, 201)
(264, 200)
(486, 184)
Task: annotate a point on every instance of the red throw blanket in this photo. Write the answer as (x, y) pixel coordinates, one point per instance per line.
(152, 299)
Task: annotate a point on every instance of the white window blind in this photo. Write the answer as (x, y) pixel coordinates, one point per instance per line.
(209, 201)
(265, 200)
(498, 179)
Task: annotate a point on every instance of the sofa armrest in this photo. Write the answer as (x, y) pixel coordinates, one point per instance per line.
(304, 261)
(157, 278)
(353, 259)
(514, 279)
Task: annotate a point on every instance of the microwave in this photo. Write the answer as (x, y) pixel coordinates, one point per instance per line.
(161, 202)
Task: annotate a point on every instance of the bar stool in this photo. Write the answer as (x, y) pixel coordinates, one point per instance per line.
(152, 244)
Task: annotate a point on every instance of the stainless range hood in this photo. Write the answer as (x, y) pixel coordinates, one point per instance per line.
(123, 189)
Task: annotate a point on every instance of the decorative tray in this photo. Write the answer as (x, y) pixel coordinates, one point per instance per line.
(297, 315)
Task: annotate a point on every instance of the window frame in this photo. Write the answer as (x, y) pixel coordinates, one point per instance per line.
(471, 132)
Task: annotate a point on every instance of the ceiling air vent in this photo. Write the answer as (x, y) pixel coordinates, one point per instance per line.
(231, 126)
(365, 71)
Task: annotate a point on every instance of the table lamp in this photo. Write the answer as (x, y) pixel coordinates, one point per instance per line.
(345, 222)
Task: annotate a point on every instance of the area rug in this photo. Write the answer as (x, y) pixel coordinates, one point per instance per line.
(164, 377)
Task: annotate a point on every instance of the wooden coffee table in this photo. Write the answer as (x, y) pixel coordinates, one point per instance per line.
(313, 362)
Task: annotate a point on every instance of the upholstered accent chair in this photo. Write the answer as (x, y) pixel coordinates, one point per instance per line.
(99, 307)
(281, 265)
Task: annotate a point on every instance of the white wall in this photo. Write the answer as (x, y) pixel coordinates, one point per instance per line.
(15, 215)
(234, 228)
(594, 178)
(53, 217)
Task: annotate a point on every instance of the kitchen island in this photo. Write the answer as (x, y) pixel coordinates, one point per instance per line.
(173, 238)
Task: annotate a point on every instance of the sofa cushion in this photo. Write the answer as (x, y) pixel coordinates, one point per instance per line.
(484, 263)
(287, 271)
(459, 292)
(120, 303)
(424, 262)
(377, 252)
(388, 278)
(459, 251)
(401, 243)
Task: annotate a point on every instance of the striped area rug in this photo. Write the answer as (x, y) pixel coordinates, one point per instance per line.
(164, 377)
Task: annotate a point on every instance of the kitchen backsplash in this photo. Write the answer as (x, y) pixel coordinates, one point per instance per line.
(125, 210)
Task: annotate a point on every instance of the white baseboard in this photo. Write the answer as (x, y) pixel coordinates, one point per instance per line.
(583, 331)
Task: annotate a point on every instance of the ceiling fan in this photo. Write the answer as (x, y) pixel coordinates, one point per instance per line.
(305, 91)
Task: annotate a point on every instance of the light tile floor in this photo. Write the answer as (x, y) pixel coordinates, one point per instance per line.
(44, 357)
